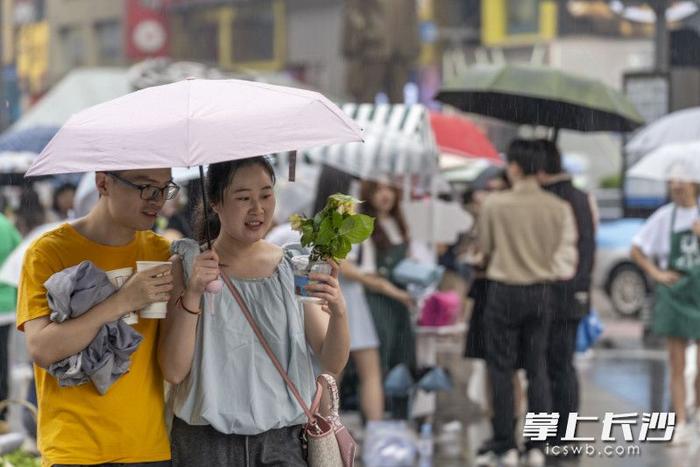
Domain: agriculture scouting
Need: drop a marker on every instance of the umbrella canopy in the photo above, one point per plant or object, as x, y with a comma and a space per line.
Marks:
673, 161
15, 162
80, 89
32, 140
194, 122
457, 135
383, 152
468, 173
398, 141
543, 96
677, 127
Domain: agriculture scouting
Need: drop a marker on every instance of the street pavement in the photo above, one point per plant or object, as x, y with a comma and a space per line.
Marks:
621, 375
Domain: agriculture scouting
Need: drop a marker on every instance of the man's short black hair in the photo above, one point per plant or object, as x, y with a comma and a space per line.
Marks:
552, 157
529, 155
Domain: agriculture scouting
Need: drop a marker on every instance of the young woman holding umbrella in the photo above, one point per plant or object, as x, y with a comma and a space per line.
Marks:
667, 249
230, 405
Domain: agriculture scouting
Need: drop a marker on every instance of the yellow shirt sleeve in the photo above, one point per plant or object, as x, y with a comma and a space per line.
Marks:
31, 301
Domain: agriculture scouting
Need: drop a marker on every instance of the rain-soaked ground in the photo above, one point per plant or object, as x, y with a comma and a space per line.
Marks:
622, 376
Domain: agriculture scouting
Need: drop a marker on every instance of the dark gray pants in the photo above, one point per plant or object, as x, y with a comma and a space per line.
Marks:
562, 373
203, 446
517, 327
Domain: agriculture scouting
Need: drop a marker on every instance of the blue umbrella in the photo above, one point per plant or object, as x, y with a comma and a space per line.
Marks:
30, 140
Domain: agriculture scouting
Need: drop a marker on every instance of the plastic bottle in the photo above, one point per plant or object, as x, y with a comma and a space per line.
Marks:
425, 445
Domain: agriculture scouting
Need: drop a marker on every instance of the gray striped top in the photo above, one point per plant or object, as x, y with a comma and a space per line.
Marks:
233, 386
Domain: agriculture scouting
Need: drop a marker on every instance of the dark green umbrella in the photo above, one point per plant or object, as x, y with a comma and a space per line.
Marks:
541, 96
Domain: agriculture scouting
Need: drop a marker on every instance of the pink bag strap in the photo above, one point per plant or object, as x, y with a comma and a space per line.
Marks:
249, 317
335, 398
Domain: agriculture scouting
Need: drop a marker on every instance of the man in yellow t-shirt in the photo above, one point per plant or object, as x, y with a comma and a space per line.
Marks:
77, 425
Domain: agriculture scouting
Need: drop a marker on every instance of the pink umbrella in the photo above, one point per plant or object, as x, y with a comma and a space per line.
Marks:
194, 122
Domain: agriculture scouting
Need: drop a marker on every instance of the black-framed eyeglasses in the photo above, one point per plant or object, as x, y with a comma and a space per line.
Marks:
150, 192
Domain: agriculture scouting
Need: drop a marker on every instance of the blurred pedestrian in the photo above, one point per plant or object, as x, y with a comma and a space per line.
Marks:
364, 343
30, 212
475, 346
9, 239
172, 223
389, 303
667, 249
571, 298
62, 204
527, 237
231, 407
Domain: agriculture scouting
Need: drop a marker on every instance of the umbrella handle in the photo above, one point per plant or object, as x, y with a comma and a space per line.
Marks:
206, 206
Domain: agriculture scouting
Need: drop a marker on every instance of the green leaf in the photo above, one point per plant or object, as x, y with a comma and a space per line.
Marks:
343, 249
337, 219
318, 218
306, 240
357, 228
326, 232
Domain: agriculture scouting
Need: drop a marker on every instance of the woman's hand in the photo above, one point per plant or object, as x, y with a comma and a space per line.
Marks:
406, 299
205, 269
327, 288
696, 228
385, 287
666, 277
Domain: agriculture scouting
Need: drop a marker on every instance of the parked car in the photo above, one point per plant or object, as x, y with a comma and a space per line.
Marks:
614, 272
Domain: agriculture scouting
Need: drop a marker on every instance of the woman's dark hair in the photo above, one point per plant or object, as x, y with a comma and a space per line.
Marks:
379, 237
330, 182
219, 177
58, 192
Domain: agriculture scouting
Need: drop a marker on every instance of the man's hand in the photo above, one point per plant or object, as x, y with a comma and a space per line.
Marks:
146, 287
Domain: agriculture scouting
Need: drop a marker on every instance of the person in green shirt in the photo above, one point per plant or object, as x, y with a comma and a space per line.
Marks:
9, 239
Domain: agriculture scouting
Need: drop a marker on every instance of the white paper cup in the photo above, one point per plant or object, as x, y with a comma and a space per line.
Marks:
156, 310
118, 277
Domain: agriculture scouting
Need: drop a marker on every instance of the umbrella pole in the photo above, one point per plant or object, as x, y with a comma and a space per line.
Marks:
555, 135
205, 206
292, 166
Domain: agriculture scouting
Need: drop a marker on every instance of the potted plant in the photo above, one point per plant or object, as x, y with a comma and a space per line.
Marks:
330, 234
